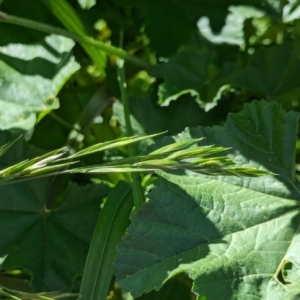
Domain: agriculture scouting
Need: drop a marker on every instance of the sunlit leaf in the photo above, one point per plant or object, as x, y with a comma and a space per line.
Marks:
31, 76
233, 236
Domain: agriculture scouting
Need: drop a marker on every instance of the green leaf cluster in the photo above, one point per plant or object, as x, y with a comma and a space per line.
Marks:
149, 149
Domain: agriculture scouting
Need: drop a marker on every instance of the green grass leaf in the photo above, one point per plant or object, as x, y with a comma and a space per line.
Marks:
110, 228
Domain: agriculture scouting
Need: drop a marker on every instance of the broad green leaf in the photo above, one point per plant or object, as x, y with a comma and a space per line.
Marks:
274, 73
15, 116
31, 76
52, 243
232, 236
227, 238
86, 4
192, 72
232, 32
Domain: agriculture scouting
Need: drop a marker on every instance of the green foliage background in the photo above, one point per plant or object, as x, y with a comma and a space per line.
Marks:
228, 71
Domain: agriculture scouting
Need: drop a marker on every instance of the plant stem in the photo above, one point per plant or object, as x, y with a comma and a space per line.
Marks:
138, 194
124, 95
67, 15
61, 120
82, 39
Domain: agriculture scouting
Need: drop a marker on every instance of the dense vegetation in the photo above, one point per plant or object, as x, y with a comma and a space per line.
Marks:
206, 206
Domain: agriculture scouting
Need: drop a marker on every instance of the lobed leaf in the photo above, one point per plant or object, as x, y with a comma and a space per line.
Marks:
234, 236
36, 237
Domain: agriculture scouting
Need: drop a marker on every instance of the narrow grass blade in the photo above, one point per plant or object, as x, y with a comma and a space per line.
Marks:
113, 169
37, 162
199, 151
111, 226
7, 146
111, 144
176, 146
14, 168
47, 169
18, 295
